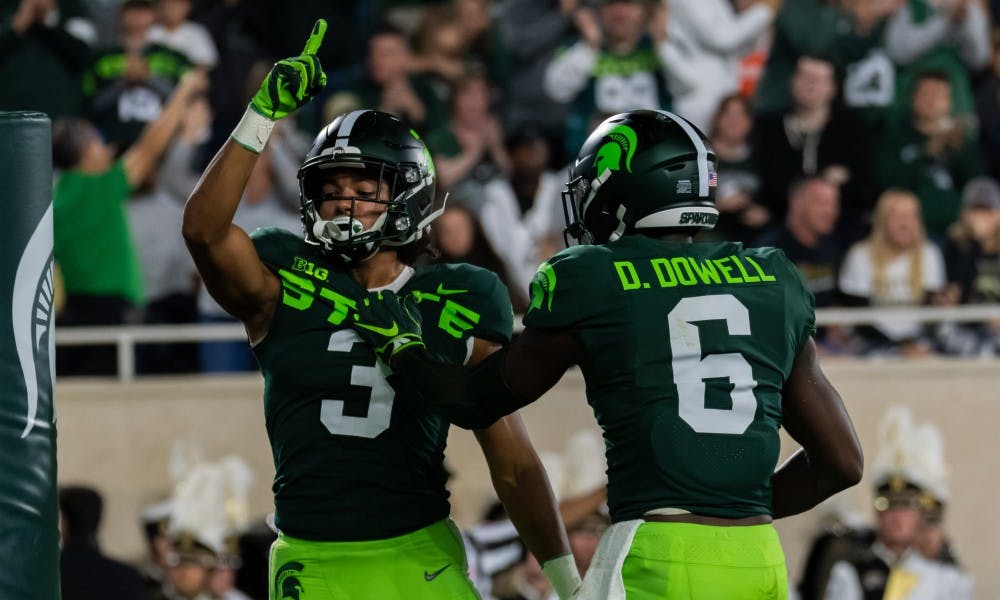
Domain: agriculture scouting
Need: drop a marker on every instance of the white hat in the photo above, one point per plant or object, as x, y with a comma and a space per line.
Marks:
211, 502
910, 456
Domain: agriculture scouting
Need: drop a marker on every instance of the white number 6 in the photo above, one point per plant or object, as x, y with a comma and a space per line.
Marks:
691, 370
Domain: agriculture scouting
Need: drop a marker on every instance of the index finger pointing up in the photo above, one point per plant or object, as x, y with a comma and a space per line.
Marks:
316, 37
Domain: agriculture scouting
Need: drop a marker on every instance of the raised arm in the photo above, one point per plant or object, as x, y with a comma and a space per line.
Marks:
143, 156
224, 254
830, 459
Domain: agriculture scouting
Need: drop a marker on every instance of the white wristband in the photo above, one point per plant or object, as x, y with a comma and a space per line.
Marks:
562, 574
252, 131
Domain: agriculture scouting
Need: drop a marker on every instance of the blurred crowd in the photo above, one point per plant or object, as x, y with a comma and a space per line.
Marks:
859, 136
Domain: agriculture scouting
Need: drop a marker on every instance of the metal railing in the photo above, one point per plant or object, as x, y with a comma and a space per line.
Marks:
126, 337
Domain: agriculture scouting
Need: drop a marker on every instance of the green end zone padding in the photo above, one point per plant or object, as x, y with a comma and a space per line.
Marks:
29, 536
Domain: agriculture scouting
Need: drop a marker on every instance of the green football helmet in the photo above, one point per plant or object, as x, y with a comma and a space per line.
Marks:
644, 169
380, 146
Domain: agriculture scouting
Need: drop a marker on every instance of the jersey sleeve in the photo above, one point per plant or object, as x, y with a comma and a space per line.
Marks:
800, 305
273, 245
488, 297
565, 291
459, 303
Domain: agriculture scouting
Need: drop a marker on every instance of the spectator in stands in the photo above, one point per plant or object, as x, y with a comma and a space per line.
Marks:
175, 31
895, 266
909, 478
209, 510
814, 137
168, 273
845, 31
469, 151
389, 86
44, 47
128, 84
85, 572
988, 113
93, 246
440, 51
972, 256
154, 520
949, 36
619, 64
481, 39
741, 218
931, 153
807, 236
522, 216
458, 237
713, 37
532, 31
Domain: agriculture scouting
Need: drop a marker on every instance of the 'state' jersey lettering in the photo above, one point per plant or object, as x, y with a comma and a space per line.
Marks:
357, 454
687, 349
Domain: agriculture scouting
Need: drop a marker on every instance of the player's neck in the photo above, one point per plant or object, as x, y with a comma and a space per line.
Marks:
379, 270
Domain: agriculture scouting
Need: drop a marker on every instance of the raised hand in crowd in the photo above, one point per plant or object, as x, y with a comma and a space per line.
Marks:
29, 13
399, 98
868, 13
659, 19
589, 26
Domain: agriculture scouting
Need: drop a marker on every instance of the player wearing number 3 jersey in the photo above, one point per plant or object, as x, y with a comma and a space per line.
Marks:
360, 496
694, 355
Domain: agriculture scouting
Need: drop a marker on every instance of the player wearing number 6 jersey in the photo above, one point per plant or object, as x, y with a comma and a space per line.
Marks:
359, 489
694, 355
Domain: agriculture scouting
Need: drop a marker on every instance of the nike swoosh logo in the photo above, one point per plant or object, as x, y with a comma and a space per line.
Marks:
433, 576
446, 292
390, 332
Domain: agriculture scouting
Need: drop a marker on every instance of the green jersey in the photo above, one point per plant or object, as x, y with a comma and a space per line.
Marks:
687, 347
357, 453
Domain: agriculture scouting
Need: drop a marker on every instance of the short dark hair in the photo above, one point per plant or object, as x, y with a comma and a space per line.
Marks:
803, 181
933, 75
389, 29
69, 136
81, 508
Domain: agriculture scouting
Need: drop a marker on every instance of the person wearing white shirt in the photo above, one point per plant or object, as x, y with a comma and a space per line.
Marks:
895, 266
712, 37
522, 217
175, 31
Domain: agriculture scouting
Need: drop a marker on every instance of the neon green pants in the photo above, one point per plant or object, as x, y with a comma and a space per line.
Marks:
426, 564
681, 560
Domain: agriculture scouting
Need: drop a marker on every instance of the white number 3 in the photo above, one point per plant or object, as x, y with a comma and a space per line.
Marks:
691, 370
331, 413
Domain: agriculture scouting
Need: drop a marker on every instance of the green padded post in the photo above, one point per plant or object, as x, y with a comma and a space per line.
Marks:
29, 511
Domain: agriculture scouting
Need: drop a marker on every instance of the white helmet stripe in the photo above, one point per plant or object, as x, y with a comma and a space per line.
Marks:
344, 135
699, 146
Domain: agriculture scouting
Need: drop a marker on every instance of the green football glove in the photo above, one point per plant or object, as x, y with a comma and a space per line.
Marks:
294, 81
388, 323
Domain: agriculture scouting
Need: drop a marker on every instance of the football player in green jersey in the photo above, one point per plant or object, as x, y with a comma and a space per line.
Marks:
694, 355
360, 496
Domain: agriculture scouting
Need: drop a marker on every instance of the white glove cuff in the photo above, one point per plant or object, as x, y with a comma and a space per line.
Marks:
252, 131
562, 574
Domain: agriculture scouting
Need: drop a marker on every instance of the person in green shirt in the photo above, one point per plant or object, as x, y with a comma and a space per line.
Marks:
93, 246
694, 354
359, 488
